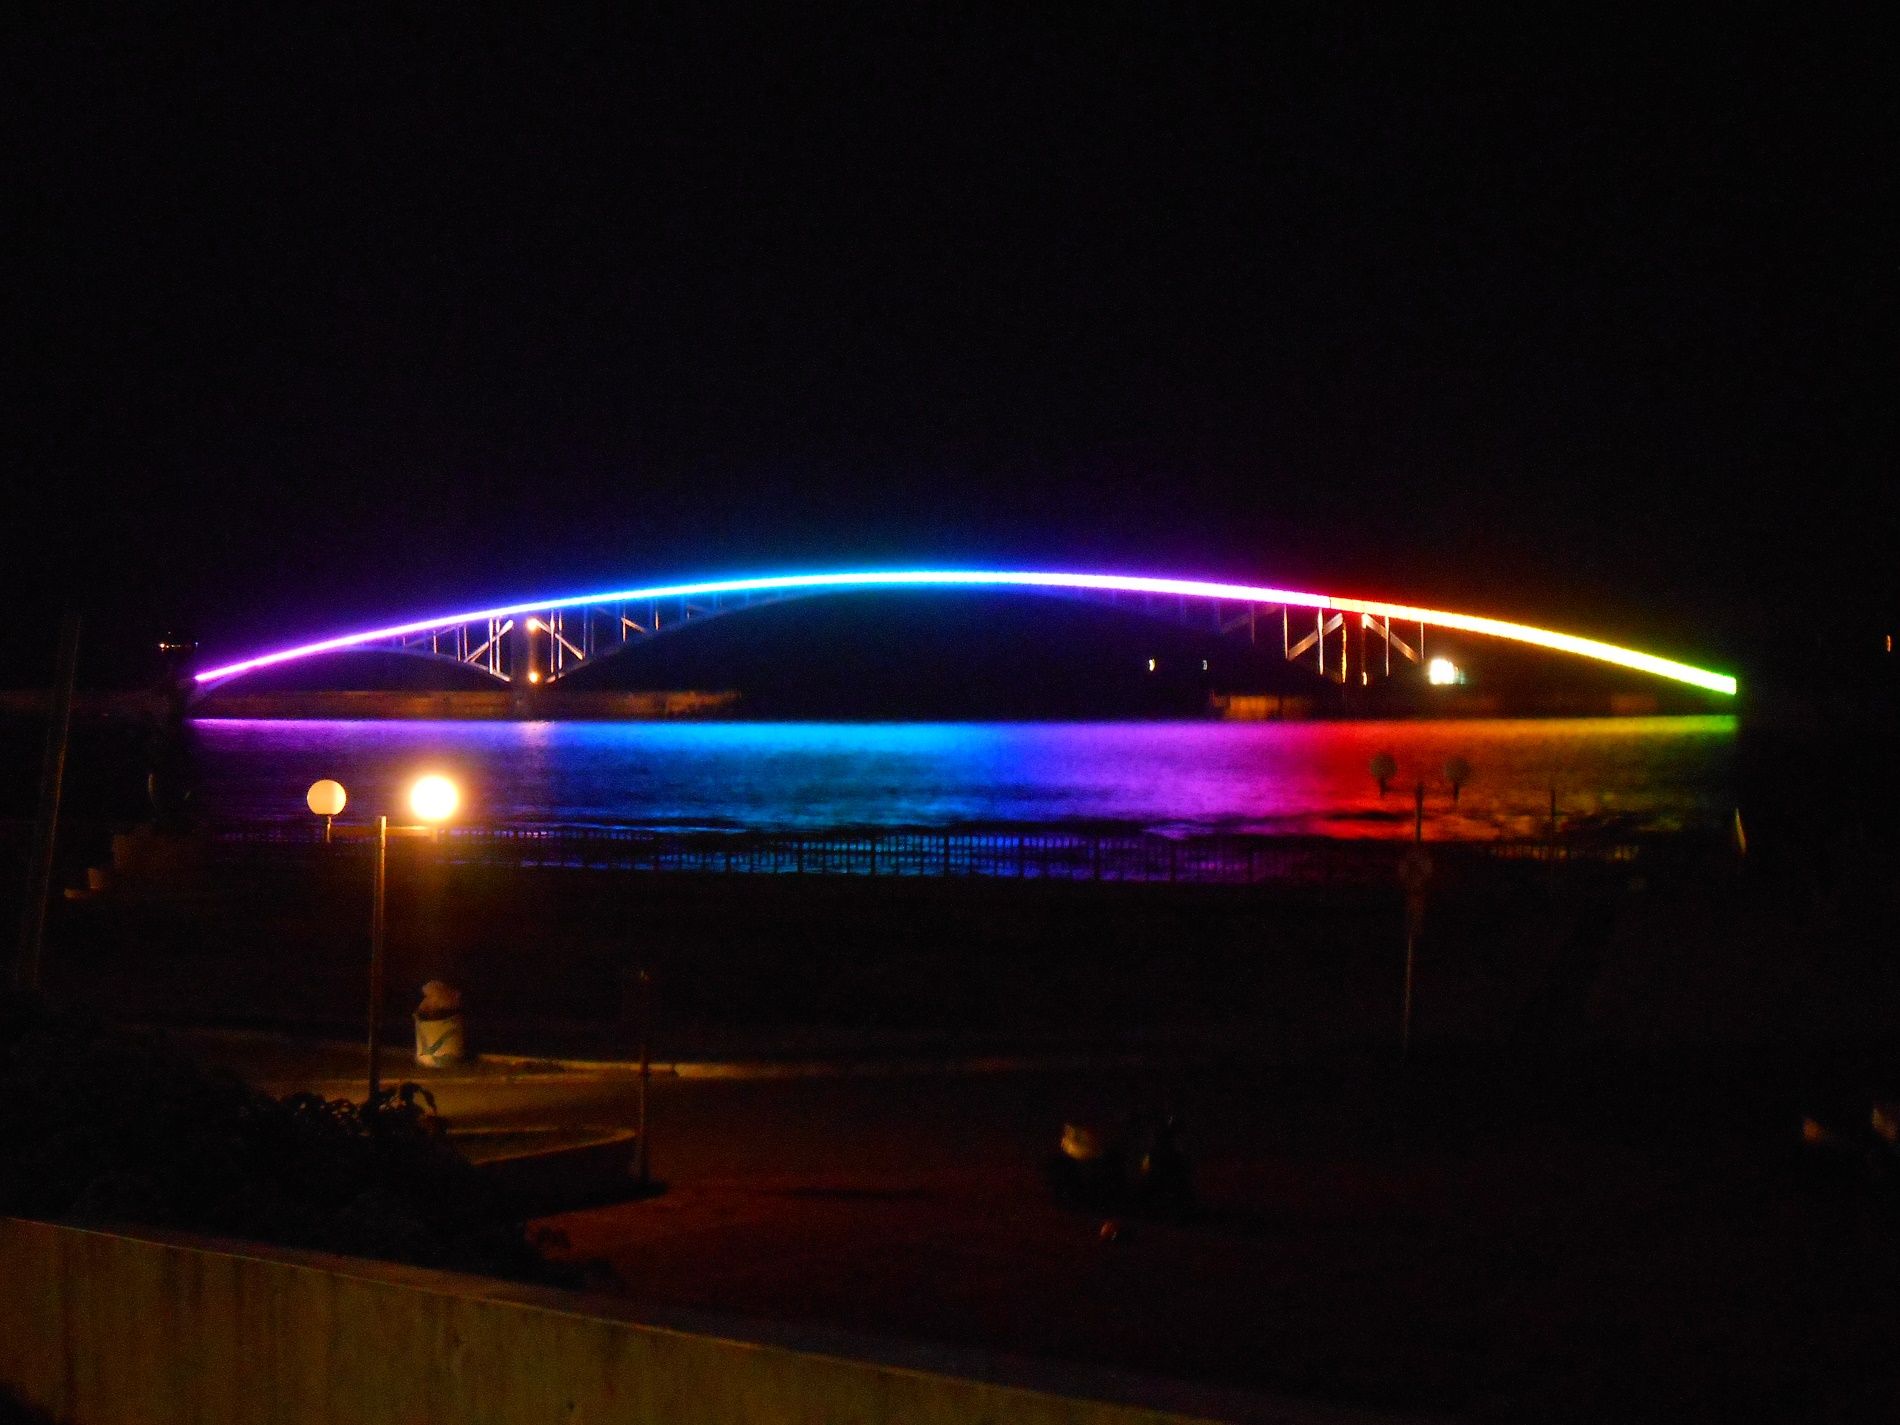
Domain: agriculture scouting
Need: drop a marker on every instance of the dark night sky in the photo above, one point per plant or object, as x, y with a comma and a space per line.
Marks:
1582, 314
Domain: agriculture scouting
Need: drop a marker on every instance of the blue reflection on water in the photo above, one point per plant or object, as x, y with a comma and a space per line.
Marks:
1293, 777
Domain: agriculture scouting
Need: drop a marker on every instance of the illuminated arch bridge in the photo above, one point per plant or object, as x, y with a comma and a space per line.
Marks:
1356, 640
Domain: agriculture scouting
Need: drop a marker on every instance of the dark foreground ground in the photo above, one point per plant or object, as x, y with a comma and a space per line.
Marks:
1601, 1236
1596, 1243
1583, 1199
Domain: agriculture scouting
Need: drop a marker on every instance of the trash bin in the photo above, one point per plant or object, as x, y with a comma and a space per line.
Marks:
441, 1041
441, 1031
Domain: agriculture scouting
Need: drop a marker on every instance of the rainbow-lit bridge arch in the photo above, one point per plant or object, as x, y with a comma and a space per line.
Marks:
541, 640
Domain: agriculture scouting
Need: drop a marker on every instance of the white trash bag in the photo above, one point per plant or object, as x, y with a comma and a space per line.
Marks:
441, 1033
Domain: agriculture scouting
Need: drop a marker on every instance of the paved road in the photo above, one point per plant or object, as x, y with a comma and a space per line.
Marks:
862, 1128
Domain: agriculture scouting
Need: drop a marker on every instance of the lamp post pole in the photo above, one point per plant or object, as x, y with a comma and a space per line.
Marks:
26, 971
1414, 913
433, 798
1405, 1022
1415, 872
644, 1160
377, 898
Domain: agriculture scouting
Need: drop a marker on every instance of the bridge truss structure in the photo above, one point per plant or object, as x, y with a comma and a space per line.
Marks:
1349, 641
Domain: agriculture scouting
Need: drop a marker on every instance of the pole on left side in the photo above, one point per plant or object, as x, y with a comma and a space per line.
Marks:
376, 961
26, 969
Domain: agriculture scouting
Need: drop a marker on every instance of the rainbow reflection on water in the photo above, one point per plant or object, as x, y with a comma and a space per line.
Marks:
1654, 774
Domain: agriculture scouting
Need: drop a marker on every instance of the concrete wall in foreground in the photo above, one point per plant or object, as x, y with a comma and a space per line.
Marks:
98, 1328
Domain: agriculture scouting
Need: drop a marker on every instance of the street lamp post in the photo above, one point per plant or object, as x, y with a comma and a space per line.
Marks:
643, 1160
1415, 873
326, 799
378, 897
434, 799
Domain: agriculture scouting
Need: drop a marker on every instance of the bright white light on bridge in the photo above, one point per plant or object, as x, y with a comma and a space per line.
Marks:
434, 798
1443, 673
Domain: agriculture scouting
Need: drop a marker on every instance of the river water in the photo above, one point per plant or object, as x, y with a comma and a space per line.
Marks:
1308, 778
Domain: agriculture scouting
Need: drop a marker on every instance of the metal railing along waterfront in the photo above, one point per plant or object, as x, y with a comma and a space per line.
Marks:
991, 852
1023, 854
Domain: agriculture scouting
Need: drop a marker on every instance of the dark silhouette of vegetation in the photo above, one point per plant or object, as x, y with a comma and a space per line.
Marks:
12, 1412
106, 1126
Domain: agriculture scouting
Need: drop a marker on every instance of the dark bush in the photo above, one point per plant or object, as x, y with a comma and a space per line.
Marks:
12, 1412
100, 1125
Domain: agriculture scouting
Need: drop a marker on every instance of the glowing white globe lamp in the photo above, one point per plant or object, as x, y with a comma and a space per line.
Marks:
326, 799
